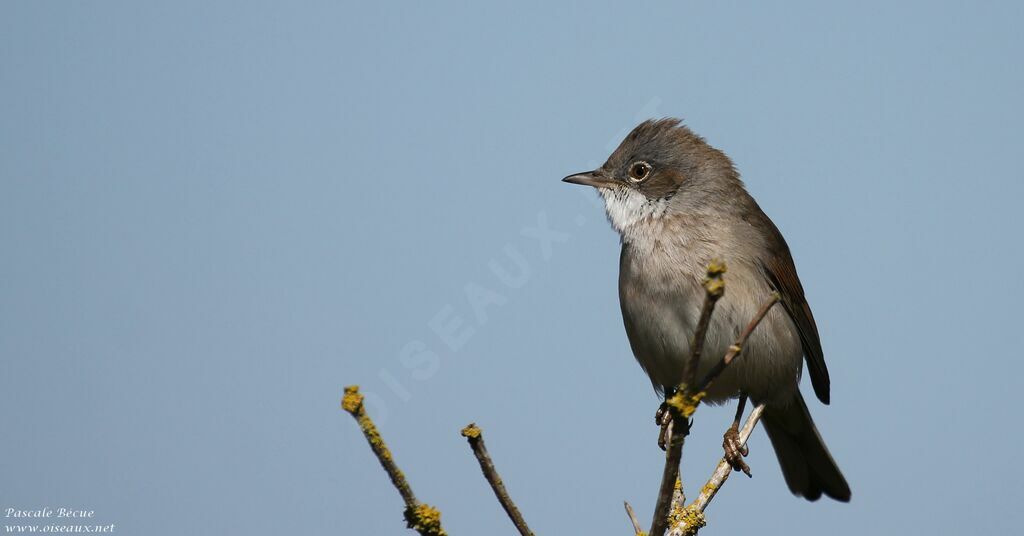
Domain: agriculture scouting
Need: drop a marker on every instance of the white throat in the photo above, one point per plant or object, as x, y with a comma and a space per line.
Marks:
627, 208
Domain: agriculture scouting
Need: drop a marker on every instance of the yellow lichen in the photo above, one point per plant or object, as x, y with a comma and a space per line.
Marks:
373, 436
352, 400
471, 431
689, 517
715, 287
714, 284
709, 489
425, 519
685, 403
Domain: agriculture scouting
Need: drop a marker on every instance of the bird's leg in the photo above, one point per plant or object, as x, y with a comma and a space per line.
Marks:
734, 449
663, 418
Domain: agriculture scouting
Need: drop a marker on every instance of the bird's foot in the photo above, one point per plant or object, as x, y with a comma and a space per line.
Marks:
734, 450
663, 418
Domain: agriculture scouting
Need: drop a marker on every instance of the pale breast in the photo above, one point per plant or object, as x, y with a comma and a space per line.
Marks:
661, 293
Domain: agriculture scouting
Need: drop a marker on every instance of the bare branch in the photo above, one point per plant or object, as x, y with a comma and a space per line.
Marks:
691, 518
476, 441
686, 520
421, 517
714, 288
684, 402
637, 531
669, 477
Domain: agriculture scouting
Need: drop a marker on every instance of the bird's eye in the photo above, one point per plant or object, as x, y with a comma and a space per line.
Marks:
639, 171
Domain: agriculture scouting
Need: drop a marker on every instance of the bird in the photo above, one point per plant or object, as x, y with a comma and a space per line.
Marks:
678, 204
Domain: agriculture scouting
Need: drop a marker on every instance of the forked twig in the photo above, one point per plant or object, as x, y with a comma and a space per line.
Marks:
421, 517
476, 441
691, 518
688, 520
683, 403
671, 514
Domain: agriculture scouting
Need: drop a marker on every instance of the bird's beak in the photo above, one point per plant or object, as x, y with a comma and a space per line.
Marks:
590, 178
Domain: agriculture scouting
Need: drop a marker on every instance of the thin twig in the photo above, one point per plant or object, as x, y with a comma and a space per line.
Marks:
685, 401
714, 288
669, 477
637, 531
687, 521
737, 347
476, 441
722, 471
421, 517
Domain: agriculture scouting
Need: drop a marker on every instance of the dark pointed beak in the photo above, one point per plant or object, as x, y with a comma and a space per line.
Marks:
590, 178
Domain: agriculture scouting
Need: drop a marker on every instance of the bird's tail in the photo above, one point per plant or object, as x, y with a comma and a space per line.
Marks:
806, 463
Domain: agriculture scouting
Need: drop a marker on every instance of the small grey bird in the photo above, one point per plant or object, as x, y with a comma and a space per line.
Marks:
678, 203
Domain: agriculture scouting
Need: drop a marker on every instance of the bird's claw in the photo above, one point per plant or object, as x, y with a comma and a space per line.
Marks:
663, 418
735, 450
661, 414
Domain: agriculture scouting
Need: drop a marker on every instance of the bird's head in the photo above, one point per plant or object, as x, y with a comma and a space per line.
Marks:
661, 167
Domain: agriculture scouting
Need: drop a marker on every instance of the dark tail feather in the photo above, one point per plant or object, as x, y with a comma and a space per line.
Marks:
808, 467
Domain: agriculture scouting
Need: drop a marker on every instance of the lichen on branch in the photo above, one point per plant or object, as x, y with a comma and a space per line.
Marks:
420, 517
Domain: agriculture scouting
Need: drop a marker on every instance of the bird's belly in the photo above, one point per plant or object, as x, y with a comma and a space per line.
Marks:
660, 323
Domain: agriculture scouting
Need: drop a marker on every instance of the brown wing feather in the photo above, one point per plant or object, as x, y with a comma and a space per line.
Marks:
779, 268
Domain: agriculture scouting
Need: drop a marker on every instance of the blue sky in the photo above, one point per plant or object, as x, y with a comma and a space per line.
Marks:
214, 215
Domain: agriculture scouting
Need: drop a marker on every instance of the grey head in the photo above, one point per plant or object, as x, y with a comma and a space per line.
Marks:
662, 166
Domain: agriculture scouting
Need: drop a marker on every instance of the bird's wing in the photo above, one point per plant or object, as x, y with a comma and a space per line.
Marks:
778, 267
